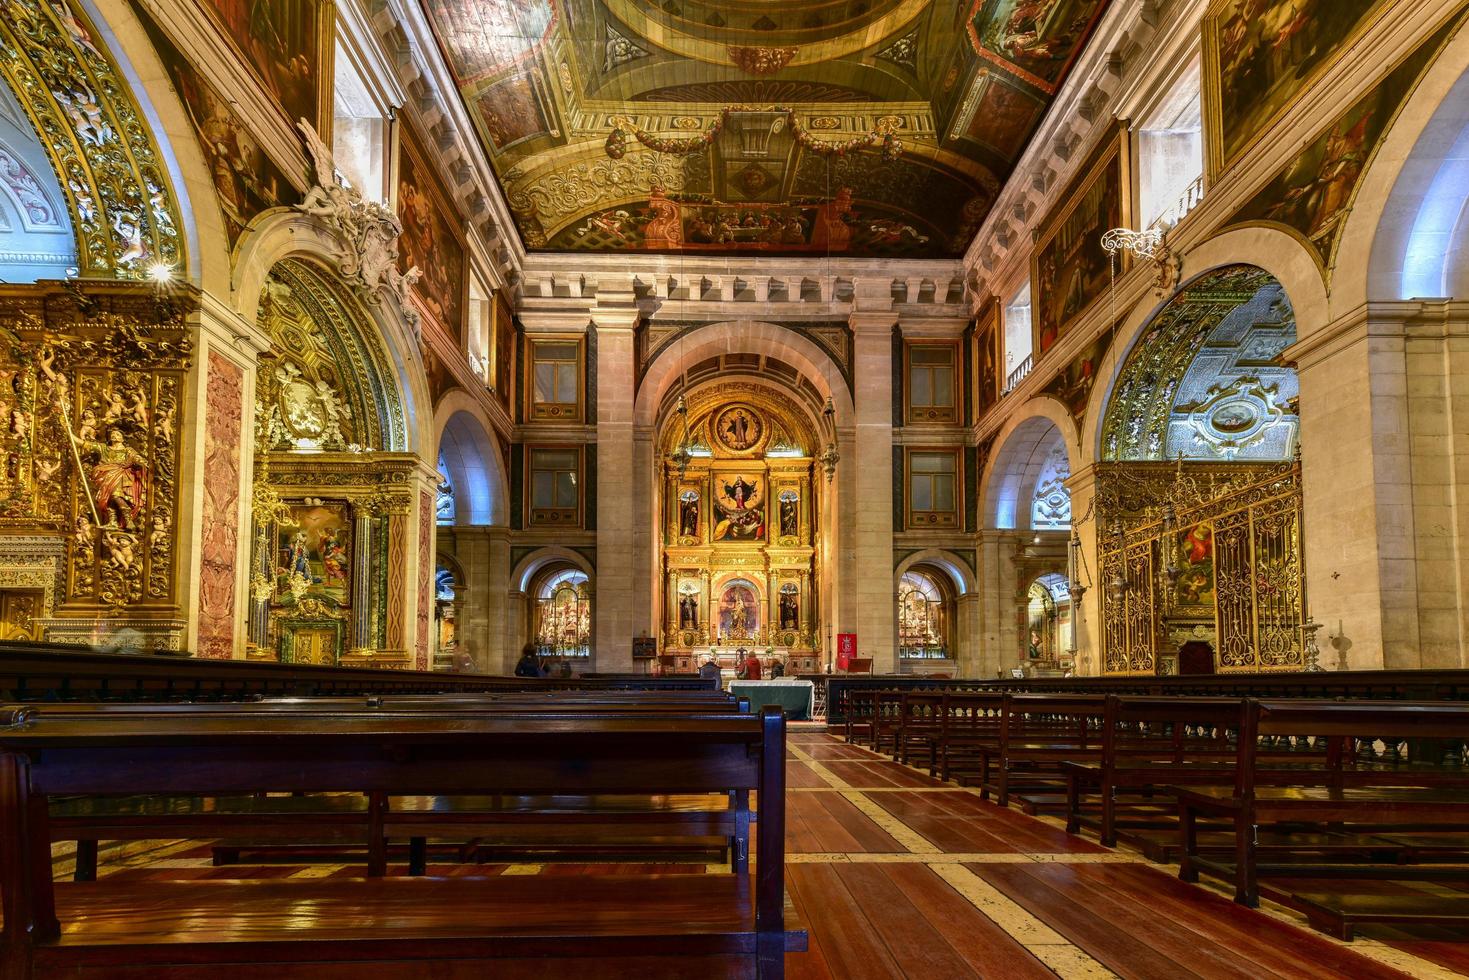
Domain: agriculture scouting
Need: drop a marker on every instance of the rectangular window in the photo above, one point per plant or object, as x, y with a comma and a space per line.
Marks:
481, 313
933, 490
359, 128
1170, 154
555, 487
931, 383
1019, 341
555, 380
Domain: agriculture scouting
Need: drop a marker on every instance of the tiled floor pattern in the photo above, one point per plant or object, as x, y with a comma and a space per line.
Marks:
897, 875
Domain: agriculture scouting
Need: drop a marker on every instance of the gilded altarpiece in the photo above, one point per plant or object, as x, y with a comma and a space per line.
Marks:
1207, 552
739, 521
91, 389
332, 502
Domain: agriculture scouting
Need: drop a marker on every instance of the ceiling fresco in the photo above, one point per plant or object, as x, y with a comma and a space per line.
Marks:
830, 127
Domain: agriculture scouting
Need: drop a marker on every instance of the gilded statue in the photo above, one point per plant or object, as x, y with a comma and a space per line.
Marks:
119, 478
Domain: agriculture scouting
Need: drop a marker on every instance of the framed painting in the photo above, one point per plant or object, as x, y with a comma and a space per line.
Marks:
314, 551
503, 342
432, 239
246, 180
1069, 268
1037, 40
1194, 591
987, 359
739, 507
291, 44
1260, 55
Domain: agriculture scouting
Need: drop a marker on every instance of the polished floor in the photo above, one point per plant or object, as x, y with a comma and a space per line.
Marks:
897, 875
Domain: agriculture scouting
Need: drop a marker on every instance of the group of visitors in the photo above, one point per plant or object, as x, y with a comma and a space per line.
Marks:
529, 665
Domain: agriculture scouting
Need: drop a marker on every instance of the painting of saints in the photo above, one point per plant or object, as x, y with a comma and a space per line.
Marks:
430, 241
333, 557
281, 39
1266, 52
1036, 38
315, 548
741, 504
1196, 559
119, 477
790, 520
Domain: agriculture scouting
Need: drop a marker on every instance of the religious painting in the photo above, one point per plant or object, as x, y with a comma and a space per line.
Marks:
432, 240
790, 514
688, 606
285, 42
987, 359
504, 327
1313, 194
739, 612
688, 514
1195, 559
1073, 383
739, 505
738, 428
440, 379
246, 181
1036, 39
790, 606
1069, 269
1000, 115
512, 110
1259, 55
313, 551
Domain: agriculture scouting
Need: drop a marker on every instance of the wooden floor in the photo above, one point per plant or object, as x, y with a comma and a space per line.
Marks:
899, 876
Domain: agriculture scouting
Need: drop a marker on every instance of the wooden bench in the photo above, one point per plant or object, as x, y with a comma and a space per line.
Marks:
275, 825
388, 927
1037, 733
1361, 793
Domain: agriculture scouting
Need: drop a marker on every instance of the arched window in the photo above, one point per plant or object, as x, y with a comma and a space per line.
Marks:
923, 618
444, 504
564, 616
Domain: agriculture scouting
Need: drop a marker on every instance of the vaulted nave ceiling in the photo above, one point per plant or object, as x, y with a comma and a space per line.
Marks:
844, 127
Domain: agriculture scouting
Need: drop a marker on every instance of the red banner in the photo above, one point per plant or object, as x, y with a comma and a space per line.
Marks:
846, 650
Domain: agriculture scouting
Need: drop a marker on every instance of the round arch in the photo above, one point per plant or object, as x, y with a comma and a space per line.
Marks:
279, 235
529, 567
1406, 228
470, 451
1280, 254
958, 571
1024, 442
741, 337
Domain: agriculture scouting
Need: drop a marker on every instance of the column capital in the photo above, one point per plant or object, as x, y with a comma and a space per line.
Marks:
872, 322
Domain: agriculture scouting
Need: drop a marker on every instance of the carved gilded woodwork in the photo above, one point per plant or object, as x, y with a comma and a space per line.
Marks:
118, 194
1241, 587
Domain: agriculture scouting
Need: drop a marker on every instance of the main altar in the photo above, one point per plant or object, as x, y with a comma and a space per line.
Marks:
739, 512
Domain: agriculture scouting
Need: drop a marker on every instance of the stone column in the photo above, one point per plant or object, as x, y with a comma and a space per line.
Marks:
871, 470
360, 642
1385, 457
968, 649
1086, 617
622, 489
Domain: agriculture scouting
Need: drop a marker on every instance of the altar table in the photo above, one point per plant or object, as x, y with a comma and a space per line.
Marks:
791, 694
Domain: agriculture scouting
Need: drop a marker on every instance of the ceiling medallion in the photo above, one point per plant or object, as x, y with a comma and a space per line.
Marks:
761, 60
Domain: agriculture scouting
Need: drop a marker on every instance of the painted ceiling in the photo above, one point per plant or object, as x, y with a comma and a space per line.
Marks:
843, 127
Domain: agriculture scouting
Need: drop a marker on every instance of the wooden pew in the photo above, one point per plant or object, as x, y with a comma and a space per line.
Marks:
1037, 733
388, 927
1362, 792
275, 825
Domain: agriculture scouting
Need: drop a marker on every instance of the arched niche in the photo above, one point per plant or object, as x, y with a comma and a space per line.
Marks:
927, 617
1202, 381
1405, 234
561, 610
124, 212
469, 457
1026, 484
330, 386
37, 240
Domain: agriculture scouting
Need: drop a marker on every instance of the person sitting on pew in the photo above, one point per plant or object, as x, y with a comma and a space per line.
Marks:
527, 665
709, 669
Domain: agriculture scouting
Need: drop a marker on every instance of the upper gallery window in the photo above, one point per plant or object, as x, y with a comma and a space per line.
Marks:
1170, 154
933, 495
1019, 341
555, 497
359, 129
555, 379
481, 317
931, 383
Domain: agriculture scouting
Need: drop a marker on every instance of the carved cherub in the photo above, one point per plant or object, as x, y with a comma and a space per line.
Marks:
87, 430
158, 537
116, 406
120, 554
46, 469
20, 424
138, 407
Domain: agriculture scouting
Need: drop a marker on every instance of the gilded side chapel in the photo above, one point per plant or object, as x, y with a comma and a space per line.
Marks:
861, 349
1094, 338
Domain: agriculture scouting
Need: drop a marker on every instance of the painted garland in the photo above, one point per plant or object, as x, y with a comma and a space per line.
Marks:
623, 129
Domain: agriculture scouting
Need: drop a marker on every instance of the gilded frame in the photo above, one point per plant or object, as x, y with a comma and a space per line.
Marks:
1216, 162
1114, 150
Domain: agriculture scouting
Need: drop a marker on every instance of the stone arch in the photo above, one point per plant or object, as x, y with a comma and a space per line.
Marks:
1024, 442
1407, 227
283, 235
961, 577
470, 451
119, 186
529, 568
741, 337
1203, 381
1276, 252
